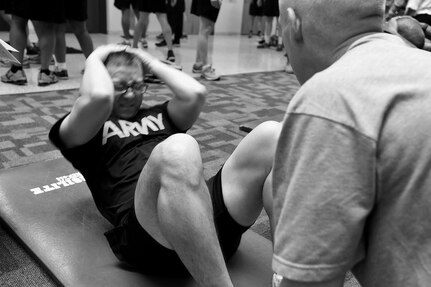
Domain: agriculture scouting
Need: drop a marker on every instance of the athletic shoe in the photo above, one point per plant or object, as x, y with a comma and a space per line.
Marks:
263, 45
161, 43
61, 74
261, 41
183, 36
144, 43
125, 43
209, 74
45, 80
176, 43
197, 68
171, 56
160, 36
17, 78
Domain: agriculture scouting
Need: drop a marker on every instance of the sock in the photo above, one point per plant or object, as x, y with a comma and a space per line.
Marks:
14, 68
267, 37
45, 71
62, 66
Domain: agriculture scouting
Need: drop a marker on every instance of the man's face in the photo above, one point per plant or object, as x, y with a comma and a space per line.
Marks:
129, 89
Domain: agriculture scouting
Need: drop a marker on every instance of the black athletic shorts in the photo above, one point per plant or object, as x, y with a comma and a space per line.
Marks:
255, 10
135, 247
152, 6
125, 4
203, 8
270, 8
2, 4
51, 11
76, 10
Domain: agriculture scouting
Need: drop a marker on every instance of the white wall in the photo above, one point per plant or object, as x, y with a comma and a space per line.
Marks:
229, 20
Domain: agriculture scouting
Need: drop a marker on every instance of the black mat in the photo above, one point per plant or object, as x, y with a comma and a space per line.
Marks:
49, 207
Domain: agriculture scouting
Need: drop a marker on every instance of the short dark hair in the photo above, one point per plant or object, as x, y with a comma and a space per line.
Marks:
123, 58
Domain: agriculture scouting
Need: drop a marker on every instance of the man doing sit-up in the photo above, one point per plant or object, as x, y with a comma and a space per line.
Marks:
146, 175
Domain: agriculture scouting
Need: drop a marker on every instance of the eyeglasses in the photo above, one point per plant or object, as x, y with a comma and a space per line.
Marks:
121, 88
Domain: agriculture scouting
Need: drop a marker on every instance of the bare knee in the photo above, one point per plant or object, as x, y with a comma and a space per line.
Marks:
178, 157
268, 133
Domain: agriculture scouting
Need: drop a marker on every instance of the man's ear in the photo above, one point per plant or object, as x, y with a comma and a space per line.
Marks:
294, 25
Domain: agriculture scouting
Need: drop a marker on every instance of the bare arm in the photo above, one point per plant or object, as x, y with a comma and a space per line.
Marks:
189, 94
95, 103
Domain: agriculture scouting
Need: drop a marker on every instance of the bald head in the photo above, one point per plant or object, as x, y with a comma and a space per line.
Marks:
321, 28
338, 19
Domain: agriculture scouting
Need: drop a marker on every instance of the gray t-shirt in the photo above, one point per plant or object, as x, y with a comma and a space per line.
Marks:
352, 175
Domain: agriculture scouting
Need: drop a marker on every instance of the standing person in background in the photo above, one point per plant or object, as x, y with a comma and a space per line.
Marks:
175, 14
207, 11
124, 6
352, 170
76, 15
158, 7
270, 12
255, 12
45, 15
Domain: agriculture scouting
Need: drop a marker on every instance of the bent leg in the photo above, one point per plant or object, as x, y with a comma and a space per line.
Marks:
173, 205
246, 179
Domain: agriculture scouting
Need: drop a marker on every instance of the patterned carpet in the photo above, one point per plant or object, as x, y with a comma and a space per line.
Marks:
26, 119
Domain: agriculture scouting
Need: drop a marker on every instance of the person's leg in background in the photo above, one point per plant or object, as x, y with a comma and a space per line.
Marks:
46, 32
160, 8
18, 35
167, 33
206, 27
60, 52
268, 20
175, 20
141, 26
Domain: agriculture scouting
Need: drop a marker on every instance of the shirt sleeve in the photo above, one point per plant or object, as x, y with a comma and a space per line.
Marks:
82, 156
324, 189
